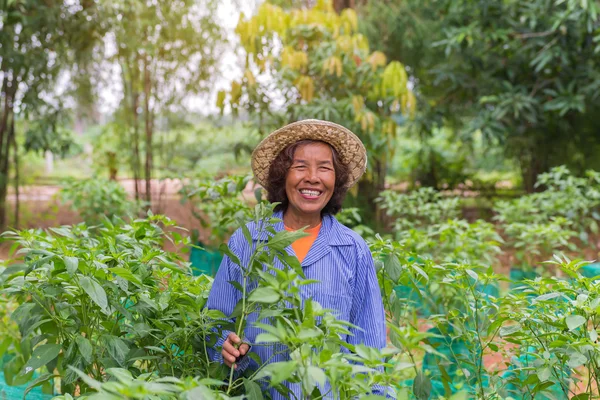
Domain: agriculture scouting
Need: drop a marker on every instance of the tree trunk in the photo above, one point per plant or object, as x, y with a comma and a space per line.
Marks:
136, 145
132, 116
112, 165
5, 141
17, 178
533, 161
135, 103
4, 169
149, 127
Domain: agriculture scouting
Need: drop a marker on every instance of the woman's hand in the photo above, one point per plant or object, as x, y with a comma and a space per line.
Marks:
233, 348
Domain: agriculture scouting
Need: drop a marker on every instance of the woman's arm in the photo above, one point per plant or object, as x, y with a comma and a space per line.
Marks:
367, 311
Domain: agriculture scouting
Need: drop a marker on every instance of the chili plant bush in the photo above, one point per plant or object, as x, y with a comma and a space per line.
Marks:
106, 299
97, 198
554, 322
219, 205
574, 199
111, 314
419, 209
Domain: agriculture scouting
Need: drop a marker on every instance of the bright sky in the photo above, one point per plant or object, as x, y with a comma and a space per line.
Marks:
230, 65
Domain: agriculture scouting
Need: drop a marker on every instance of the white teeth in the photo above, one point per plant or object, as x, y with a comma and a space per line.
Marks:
310, 192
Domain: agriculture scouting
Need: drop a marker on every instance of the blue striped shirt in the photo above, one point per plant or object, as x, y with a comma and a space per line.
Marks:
342, 263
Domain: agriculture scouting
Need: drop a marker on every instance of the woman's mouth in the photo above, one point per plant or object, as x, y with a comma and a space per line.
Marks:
310, 193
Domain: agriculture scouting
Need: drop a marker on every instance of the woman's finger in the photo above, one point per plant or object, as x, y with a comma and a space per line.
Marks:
234, 338
228, 347
243, 348
228, 358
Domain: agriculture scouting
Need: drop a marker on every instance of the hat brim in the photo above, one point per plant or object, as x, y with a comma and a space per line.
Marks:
349, 147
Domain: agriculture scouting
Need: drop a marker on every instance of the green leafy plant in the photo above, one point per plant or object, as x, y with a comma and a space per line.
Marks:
554, 323
575, 199
463, 316
97, 198
419, 208
219, 205
107, 299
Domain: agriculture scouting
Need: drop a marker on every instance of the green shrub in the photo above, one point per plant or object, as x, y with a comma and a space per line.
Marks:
107, 299
97, 198
108, 302
420, 208
219, 205
576, 199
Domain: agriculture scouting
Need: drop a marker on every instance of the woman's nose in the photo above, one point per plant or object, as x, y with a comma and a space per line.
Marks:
312, 176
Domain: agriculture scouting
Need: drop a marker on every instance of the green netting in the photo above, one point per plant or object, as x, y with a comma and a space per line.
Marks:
17, 392
517, 373
206, 260
454, 350
517, 276
591, 270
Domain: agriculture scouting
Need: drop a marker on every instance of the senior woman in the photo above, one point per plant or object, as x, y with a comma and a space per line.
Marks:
307, 167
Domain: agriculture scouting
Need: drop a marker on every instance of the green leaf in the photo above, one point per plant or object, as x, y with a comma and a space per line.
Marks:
117, 348
4, 345
253, 390
41, 356
201, 392
95, 291
393, 267
85, 348
546, 296
472, 274
283, 239
422, 386
264, 295
317, 375
544, 373
121, 374
226, 251
71, 264
509, 330
279, 372
267, 338
247, 234
94, 384
576, 359
575, 321
37, 382
126, 274
581, 396
420, 272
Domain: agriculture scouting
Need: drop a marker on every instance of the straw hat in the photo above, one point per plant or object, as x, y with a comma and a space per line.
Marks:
349, 147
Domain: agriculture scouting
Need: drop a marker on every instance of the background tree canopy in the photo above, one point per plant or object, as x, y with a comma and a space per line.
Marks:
126, 128
443, 93
525, 73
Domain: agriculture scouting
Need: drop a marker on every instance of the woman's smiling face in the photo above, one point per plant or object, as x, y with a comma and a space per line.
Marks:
310, 180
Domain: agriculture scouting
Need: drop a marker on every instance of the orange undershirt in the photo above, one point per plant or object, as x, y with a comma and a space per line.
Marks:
302, 245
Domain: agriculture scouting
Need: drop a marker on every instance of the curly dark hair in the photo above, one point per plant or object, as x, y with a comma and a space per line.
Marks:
278, 173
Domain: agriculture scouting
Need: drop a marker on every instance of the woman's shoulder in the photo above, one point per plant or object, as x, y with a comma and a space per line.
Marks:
346, 235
